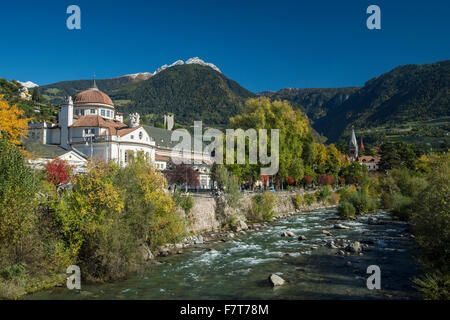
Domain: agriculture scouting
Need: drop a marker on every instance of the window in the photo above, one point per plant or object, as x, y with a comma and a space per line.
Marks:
126, 157
140, 135
102, 113
92, 111
108, 114
82, 112
131, 137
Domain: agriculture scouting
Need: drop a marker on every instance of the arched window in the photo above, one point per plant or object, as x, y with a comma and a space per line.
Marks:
140, 135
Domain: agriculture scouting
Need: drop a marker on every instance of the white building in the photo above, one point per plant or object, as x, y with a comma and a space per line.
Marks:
89, 127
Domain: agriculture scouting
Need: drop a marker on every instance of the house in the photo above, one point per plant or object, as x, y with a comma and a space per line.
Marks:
371, 162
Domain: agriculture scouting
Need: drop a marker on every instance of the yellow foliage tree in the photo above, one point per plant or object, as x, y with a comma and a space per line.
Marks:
12, 123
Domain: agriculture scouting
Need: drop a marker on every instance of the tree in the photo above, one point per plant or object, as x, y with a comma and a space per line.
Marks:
18, 188
293, 126
58, 172
183, 174
36, 96
396, 155
12, 125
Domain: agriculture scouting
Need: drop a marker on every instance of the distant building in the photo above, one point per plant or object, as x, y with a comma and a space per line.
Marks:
371, 162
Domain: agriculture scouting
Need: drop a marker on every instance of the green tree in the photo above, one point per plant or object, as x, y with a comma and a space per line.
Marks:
396, 155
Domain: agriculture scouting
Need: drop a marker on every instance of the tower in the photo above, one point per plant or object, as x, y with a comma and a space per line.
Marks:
65, 121
353, 147
169, 121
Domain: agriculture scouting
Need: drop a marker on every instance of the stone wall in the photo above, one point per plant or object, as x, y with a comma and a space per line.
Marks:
210, 214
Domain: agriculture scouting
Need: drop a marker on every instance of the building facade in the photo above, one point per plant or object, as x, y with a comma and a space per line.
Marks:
90, 127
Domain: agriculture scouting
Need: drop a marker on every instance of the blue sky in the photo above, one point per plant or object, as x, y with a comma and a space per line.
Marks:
264, 45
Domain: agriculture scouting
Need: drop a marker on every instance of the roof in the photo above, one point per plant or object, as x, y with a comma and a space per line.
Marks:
366, 159
125, 131
92, 96
162, 137
38, 149
115, 127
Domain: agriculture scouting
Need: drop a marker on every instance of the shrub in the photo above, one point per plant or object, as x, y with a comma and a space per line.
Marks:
362, 202
185, 201
309, 198
402, 206
298, 201
346, 210
434, 286
323, 194
325, 179
334, 198
262, 207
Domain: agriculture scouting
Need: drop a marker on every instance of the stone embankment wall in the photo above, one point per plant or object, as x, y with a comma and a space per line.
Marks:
210, 214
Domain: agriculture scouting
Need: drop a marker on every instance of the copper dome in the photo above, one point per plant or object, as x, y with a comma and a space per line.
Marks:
93, 96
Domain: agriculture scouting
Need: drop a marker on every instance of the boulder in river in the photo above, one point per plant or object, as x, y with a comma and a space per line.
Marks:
164, 252
276, 280
354, 247
328, 233
302, 238
372, 220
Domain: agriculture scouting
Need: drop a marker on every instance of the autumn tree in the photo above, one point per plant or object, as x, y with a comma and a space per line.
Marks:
12, 124
262, 113
182, 174
58, 172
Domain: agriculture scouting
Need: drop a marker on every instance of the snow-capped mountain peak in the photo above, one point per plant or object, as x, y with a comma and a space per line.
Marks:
28, 84
195, 60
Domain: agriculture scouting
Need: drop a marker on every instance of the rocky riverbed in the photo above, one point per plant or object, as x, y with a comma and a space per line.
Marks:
315, 254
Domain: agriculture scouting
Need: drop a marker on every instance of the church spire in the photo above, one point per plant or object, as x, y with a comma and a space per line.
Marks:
353, 146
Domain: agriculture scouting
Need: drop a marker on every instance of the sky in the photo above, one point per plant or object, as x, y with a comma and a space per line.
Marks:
263, 45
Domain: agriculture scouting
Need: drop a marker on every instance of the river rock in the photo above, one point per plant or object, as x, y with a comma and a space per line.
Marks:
348, 263
328, 233
340, 226
145, 253
302, 238
276, 280
242, 225
164, 252
330, 244
230, 235
372, 221
198, 240
354, 247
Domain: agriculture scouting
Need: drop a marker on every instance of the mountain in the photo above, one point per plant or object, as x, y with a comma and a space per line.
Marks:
191, 91
316, 103
405, 94
56, 92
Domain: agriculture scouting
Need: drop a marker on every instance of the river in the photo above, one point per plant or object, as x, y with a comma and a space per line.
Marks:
239, 268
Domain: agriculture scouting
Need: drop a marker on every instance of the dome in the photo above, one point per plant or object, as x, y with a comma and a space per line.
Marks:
92, 96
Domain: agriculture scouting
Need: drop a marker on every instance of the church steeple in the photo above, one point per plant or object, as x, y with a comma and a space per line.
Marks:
353, 146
